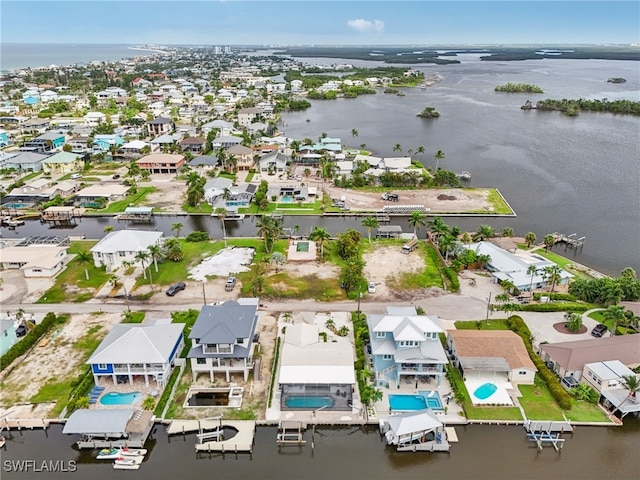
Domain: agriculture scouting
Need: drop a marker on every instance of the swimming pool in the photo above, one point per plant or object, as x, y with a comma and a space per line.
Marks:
485, 390
286, 199
302, 247
309, 403
15, 205
424, 399
115, 398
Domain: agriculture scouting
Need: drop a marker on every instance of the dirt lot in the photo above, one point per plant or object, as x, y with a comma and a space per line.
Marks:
170, 193
55, 360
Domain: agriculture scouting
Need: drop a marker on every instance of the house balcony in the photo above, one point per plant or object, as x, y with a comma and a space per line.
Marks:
438, 370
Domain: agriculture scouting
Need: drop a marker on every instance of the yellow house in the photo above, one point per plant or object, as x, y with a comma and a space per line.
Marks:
62, 163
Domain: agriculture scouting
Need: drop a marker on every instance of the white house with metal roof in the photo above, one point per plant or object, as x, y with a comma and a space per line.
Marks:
222, 339
122, 246
405, 344
505, 265
130, 350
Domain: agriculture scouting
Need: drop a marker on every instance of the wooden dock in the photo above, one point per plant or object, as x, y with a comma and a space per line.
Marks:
210, 435
291, 433
571, 240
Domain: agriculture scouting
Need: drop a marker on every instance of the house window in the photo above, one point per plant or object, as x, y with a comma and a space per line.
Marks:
387, 357
522, 372
408, 343
381, 334
201, 361
102, 366
239, 340
37, 270
122, 254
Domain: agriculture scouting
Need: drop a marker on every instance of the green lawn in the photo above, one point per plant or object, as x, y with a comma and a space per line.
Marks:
74, 276
494, 324
498, 203
249, 177
429, 277
203, 207
563, 262
538, 404
129, 201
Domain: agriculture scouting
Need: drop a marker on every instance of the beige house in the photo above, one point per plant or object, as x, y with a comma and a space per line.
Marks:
495, 352
243, 155
62, 163
35, 261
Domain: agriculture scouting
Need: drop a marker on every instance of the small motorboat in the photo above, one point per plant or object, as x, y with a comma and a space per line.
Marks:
133, 452
108, 454
126, 461
3, 441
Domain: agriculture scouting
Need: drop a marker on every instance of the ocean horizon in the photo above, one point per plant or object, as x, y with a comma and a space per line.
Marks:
15, 56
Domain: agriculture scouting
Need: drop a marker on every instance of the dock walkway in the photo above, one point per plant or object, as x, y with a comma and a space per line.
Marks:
242, 441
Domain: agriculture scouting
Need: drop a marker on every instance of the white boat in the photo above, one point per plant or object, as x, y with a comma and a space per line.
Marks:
2, 441
133, 452
108, 454
464, 175
128, 461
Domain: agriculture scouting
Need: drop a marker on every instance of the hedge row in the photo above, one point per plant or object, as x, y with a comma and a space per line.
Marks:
560, 394
167, 391
274, 369
31, 338
80, 389
452, 277
577, 307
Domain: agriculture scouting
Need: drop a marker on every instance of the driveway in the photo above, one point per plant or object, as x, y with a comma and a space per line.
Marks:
541, 326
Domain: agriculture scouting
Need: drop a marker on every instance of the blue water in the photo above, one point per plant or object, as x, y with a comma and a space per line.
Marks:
15, 205
286, 199
485, 390
115, 398
309, 402
416, 402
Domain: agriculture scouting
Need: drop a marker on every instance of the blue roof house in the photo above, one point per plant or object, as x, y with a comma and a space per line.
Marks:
131, 350
104, 142
405, 344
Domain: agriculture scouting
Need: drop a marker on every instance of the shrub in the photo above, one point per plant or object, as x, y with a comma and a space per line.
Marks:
555, 296
165, 394
274, 368
197, 236
558, 307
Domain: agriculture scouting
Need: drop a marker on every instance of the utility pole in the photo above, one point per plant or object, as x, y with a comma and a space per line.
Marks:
488, 306
359, 297
204, 295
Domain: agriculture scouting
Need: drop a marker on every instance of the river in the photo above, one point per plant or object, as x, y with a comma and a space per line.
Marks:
560, 174
483, 452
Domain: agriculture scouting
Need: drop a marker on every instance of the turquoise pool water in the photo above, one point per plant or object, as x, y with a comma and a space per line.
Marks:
15, 205
312, 402
485, 390
427, 398
286, 199
115, 398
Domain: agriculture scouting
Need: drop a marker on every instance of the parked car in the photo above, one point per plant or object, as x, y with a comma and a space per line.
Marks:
371, 288
175, 288
599, 330
231, 282
75, 176
24, 328
116, 176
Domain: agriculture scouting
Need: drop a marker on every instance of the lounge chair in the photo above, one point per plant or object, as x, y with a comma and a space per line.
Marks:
98, 388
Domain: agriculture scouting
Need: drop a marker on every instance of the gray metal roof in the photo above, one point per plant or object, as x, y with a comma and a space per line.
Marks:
390, 228
131, 343
109, 423
224, 323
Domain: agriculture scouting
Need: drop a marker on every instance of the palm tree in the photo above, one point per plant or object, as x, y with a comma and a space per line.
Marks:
354, 132
632, 384
319, 235
173, 249
531, 270
507, 232
552, 274
221, 213
438, 156
397, 148
484, 232
370, 222
530, 239
142, 257
549, 241
437, 226
416, 221
177, 228
420, 150
507, 285
84, 258
155, 252
614, 313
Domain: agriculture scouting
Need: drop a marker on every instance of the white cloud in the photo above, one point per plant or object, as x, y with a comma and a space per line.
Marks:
366, 26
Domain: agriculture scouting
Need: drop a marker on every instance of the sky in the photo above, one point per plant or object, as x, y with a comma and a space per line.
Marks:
325, 22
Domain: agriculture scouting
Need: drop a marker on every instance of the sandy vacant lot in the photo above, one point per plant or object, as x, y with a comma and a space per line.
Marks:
55, 360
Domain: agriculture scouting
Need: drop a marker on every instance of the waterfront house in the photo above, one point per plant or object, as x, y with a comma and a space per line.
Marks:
491, 353
193, 144
101, 193
226, 141
247, 116
415, 431
405, 344
505, 265
62, 163
606, 375
312, 368
163, 143
204, 162
123, 245
272, 163
222, 339
130, 350
35, 125
35, 261
161, 163
133, 148
567, 359
26, 161
159, 126
105, 142
8, 335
